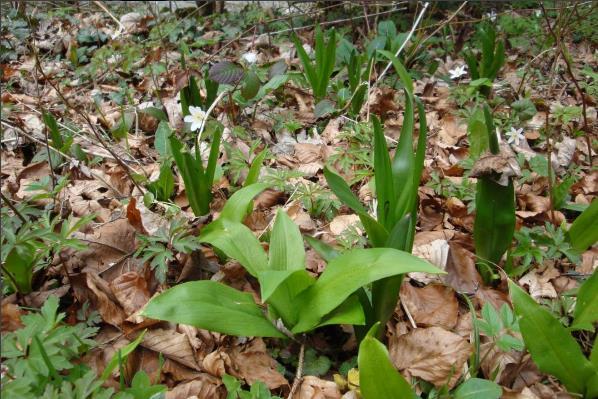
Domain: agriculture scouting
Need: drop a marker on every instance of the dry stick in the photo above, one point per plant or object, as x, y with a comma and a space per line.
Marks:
549, 166
440, 26
89, 123
299, 372
95, 175
559, 44
12, 207
379, 78
121, 27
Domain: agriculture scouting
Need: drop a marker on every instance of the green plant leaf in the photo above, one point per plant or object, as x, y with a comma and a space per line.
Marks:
349, 272
551, 346
212, 306
476, 388
161, 142
280, 288
237, 242
254, 169
197, 188
383, 173
342, 190
378, 377
226, 72
251, 85
584, 230
323, 108
401, 71
235, 209
286, 245
326, 251
586, 307
124, 352
477, 134
19, 263
156, 113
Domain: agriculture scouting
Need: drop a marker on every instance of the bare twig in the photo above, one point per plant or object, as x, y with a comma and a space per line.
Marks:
299, 372
12, 207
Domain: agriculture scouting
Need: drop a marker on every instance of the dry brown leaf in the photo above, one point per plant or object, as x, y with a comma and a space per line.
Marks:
216, 363
315, 388
432, 305
451, 130
539, 282
134, 216
171, 344
104, 300
342, 222
462, 274
204, 387
494, 362
252, 362
433, 354
130, 289
11, 317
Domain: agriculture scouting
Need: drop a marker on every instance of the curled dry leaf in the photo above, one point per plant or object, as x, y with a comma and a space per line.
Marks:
539, 282
204, 387
216, 363
433, 354
104, 300
130, 289
342, 222
501, 166
171, 344
315, 388
462, 274
432, 305
495, 362
253, 363
11, 317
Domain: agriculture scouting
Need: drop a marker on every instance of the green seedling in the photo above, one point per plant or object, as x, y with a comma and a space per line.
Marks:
396, 190
318, 74
494, 224
295, 301
191, 96
490, 61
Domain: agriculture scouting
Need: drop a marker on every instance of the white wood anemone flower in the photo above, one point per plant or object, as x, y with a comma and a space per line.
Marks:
515, 136
250, 57
196, 117
458, 72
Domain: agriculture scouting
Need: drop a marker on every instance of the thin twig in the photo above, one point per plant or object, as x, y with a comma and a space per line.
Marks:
299, 372
12, 207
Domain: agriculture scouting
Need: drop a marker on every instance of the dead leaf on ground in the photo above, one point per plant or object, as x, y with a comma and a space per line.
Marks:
252, 362
204, 387
103, 299
315, 388
433, 354
171, 344
462, 274
131, 291
11, 317
342, 222
432, 305
539, 282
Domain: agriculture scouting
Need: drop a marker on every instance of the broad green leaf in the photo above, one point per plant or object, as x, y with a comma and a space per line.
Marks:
19, 263
377, 234
237, 242
348, 312
286, 245
124, 352
197, 189
476, 388
251, 85
156, 113
385, 191
212, 160
403, 166
586, 308
342, 190
308, 68
280, 289
349, 272
323, 108
161, 139
212, 306
492, 137
584, 230
52, 126
226, 72
551, 346
326, 251
378, 377
235, 209
477, 134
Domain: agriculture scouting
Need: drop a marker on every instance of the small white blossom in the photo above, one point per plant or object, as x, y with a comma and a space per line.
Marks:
458, 72
515, 136
491, 15
538, 13
250, 57
196, 117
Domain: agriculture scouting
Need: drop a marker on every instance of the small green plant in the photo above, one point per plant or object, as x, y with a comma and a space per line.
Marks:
494, 224
490, 61
258, 390
159, 249
296, 302
501, 327
197, 179
358, 78
190, 95
396, 192
318, 74
552, 346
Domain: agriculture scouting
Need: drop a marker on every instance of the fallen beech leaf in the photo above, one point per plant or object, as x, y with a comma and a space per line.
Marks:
253, 363
130, 289
216, 363
432, 305
204, 387
134, 216
104, 300
462, 274
314, 388
171, 344
11, 317
433, 354
539, 283
451, 131
494, 361
341, 222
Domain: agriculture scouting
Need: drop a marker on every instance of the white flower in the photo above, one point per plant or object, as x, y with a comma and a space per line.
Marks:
515, 136
250, 57
491, 15
196, 117
458, 72
538, 13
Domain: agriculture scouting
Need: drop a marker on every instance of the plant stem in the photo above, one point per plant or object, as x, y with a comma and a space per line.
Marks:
12, 207
299, 372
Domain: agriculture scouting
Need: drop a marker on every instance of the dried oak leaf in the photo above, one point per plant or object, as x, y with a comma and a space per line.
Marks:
253, 363
204, 387
433, 354
171, 344
432, 305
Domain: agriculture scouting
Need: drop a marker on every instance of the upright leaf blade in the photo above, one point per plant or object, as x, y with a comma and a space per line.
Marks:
212, 306
235, 209
584, 230
383, 173
342, 190
551, 346
286, 245
586, 307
